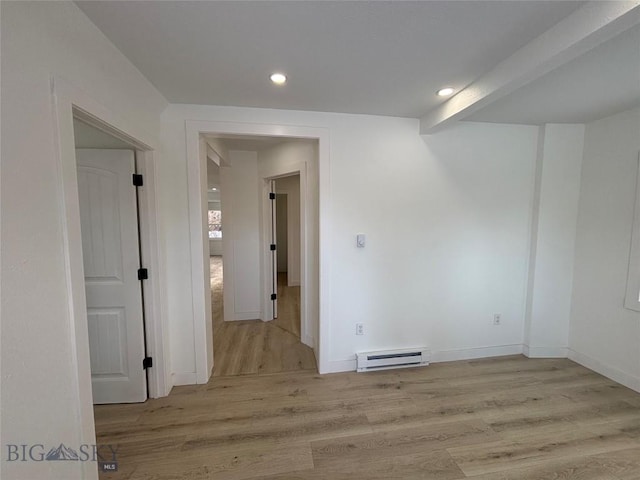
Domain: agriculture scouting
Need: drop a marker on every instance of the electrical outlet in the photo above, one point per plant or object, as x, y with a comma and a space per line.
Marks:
359, 328
497, 319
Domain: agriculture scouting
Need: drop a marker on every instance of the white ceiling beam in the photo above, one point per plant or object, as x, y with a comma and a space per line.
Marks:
218, 148
212, 155
583, 30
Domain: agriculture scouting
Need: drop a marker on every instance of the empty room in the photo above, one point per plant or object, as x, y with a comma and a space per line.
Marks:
320, 240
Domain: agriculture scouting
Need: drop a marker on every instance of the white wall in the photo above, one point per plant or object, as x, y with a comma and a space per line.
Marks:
174, 230
281, 232
38, 375
458, 228
241, 238
446, 249
553, 238
603, 334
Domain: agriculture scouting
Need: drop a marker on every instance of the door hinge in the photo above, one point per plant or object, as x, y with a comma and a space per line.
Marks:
143, 274
147, 362
137, 180
272, 196
274, 296
272, 247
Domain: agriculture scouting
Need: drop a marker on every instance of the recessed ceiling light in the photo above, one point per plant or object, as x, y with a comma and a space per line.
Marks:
444, 92
279, 78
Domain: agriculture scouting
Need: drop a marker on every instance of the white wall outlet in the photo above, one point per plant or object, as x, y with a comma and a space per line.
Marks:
497, 319
359, 328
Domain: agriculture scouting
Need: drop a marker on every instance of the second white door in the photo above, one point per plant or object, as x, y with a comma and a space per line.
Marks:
110, 248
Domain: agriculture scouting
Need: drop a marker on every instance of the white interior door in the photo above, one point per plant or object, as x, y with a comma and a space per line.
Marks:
274, 251
110, 248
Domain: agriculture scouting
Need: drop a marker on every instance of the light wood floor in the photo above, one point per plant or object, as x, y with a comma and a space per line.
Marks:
508, 418
253, 346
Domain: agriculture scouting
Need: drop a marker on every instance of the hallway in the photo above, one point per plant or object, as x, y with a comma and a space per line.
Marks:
253, 346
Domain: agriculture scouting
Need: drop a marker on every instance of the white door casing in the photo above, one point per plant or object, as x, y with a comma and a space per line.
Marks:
315, 266
111, 255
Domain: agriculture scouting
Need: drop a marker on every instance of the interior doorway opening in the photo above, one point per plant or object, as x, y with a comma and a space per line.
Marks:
201, 137
71, 103
258, 316
286, 261
108, 181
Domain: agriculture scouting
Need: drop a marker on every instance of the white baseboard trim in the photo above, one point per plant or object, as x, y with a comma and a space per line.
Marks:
628, 380
294, 284
337, 366
188, 378
308, 340
472, 353
545, 352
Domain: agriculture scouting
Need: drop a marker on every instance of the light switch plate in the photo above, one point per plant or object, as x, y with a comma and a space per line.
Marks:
360, 240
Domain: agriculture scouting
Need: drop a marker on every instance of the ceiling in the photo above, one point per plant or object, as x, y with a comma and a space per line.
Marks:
249, 143
368, 57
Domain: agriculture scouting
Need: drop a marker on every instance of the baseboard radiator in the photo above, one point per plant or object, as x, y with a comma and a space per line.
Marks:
388, 359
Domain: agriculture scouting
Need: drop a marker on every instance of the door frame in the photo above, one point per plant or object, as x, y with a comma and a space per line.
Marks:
120, 163
196, 183
300, 169
68, 102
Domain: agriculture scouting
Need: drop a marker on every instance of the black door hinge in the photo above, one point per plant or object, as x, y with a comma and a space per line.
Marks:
272, 247
143, 274
273, 296
147, 362
272, 196
137, 180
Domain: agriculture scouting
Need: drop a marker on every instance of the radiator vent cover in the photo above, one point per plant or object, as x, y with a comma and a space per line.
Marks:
388, 359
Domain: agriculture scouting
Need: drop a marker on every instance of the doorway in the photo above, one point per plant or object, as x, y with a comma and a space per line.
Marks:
287, 262
248, 334
113, 277
71, 103
315, 298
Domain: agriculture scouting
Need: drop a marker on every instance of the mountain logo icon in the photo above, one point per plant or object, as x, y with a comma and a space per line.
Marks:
62, 452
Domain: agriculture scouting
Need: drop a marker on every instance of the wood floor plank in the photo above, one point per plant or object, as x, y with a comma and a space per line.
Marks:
363, 448
581, 468
263, 431
416, 423
226, 464
433, 465
251, 346
624, 464
535, 449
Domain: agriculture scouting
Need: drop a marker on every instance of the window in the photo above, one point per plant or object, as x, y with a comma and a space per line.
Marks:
215, 224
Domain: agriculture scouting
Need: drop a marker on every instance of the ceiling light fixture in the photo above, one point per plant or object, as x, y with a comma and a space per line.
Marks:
444, 92
278, 78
